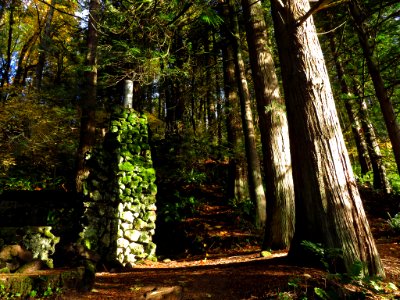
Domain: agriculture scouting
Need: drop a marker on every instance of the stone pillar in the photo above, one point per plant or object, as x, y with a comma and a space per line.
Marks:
120, 193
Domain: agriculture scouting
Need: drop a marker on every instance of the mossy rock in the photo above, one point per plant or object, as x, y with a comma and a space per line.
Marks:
38, 282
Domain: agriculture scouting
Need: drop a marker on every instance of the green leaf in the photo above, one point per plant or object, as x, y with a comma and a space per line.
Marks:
321, 293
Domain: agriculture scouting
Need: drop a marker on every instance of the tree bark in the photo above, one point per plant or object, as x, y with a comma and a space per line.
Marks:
256, 188
7, 65
359, 138
329, 210
23, 57
386, 105
88, 102
381, 181
363, 131
44, 45
237, 176
273, 130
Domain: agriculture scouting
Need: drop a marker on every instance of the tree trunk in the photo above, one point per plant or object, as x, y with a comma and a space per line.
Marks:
367, 146
7, 65
386, 105
209, 93
44, 45
356, 127
237, 177
253, 163
23, 57
274, 131
88, 102
329, 210
381, 181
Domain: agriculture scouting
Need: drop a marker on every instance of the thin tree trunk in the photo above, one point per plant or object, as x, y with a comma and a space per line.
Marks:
209, 98
380, 178
253, 163
44, 45
237, 177
7, 66
356, 127
22, 59
328, 206
274, 132
88, 103
386, 105
368, 148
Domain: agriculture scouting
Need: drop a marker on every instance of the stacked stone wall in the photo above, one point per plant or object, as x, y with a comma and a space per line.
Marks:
120, 193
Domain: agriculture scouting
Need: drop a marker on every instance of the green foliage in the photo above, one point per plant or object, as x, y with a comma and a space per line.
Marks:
179, 209
245, 208
394, 222
321, 293
38, 141
363, 179
327, 256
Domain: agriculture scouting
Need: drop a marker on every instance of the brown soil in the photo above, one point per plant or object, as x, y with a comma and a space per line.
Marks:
230, 265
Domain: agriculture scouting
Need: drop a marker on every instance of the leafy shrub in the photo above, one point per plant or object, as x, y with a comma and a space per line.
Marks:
38, 141
327, 256
244, 207
179, 209
394, 222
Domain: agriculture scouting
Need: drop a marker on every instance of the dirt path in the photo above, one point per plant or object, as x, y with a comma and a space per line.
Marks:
230, 267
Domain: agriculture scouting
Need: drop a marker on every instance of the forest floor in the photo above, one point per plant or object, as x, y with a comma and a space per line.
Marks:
230, 265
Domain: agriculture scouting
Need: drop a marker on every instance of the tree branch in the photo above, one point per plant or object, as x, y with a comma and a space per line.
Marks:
62, 11
321, 4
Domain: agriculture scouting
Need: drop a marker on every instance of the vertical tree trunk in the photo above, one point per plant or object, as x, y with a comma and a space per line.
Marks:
274, 131
328, 206
44, 45
356, 127
378, 167
386, 105
237, 177
253, 163
367, 146
23, 57
209, 95
7, 65
88, 102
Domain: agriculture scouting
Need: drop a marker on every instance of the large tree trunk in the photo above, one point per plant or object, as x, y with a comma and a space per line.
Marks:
328, 206
274, 131
386, 105
256, 188
88, 102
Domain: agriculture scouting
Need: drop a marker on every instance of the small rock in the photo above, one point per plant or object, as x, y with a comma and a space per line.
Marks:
265, 253
165, 293
34, 265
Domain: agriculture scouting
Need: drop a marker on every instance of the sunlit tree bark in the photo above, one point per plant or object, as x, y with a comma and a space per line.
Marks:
274, 131
256, 188
359, 138
329, 210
